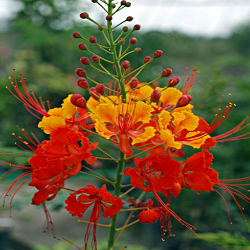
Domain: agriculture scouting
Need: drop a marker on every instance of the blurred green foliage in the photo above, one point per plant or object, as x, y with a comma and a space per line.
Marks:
39, 44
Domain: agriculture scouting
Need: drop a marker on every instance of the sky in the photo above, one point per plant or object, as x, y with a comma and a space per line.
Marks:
208, 18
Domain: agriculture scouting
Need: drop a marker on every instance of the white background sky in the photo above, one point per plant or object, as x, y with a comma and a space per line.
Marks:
195, 17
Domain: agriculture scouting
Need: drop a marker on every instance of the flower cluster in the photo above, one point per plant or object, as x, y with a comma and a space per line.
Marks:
139, 119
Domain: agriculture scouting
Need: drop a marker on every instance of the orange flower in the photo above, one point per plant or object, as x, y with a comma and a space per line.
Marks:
68, 115
123, 120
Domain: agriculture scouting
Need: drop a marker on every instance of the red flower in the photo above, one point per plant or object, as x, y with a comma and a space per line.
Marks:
161, 170
158, 173
197, 173
79, 201
57, 160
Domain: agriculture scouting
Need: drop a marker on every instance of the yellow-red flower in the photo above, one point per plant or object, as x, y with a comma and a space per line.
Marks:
124, 120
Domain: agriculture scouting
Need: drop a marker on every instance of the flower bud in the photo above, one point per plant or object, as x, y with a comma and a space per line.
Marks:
128, 4
84, 60
84, 15
167, 72
133, 40
121, 41
173, 81
76, 35
134, 83
125, 64
100, 88
80, 72
125, 29
95, 94
137, 50
92, 39
123, 2
129, 18
158, 53
113, 5
109, 17
100, 27
146, 59
114, 68
94, 1
95, 59
119, 89
82, 46
155, 96
137, 27
82, 83
184, 101
78, 101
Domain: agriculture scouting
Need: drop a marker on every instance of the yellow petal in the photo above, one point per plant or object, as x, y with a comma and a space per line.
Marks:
168, 139
195, 142
141, 93
185, 120
142, 112
145, 136
164, 119
169, 96
106, 112
48, 124
56, 112
68, 108
102, 130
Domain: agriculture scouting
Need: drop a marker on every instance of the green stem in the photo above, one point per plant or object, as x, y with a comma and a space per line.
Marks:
117, 194
114, 53
121, 161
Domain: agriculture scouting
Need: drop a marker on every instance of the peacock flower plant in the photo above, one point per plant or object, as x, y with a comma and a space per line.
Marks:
141, 121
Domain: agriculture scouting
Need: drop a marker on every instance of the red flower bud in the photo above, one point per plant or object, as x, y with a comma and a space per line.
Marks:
76, 35
114, 68
82, 46
134, 83
123, 2
133, 40
125, 28
125, 64
82, 83
100, 27
137, 50
184, 101
167, 72
92, 39
94, 93
119, 89
84, 15
158, 53
121, 41
173, 81
128, 4
146, 59
78, 101
80, 72
84, 60
109, 17
155, 96
100, 88
129, 18
95, 59
137, 27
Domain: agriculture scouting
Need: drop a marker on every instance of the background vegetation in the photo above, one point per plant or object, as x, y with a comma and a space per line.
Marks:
38, 42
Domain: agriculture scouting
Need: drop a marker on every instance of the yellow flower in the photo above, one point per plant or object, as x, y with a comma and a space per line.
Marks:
126, 121
58, 116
